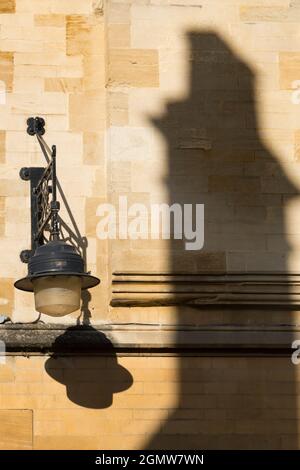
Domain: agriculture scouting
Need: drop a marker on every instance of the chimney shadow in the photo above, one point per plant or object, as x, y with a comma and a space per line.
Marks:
217, 157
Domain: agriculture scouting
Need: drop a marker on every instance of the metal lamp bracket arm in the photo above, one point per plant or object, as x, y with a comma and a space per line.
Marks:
43, 192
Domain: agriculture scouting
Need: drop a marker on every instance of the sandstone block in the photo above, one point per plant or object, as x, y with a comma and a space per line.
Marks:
16, 429
133, 67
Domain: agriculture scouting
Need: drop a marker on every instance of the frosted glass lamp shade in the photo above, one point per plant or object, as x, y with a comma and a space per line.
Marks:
56, 275
57, 295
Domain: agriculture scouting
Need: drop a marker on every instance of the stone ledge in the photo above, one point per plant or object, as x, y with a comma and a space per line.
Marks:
226, 290
56, 338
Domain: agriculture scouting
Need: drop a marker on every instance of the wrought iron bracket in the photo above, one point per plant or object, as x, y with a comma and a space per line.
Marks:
35, 126
44, 212
33, 175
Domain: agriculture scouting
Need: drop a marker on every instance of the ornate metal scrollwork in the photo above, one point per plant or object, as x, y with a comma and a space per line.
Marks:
44, 204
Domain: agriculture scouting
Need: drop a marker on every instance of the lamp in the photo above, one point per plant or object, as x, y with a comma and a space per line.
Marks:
56, 271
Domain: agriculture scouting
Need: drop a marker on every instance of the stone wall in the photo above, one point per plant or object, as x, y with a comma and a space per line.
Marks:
161, 101
124, 92
228, 403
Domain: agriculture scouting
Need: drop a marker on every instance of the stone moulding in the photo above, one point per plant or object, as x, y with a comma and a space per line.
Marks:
230, 289
148, 339
246, 291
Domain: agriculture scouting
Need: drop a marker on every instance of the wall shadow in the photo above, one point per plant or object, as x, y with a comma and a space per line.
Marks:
216, 156
84, 360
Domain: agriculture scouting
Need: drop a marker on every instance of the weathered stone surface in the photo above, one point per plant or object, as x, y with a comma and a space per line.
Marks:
6, 293
50, 20
82, 35
141, 102
119, 35
2, 146
16, 429
6, 66
93, 152
65, 85
205, 289
82, 106
62, 339
8, 6
133, 67
289, 69
263, 13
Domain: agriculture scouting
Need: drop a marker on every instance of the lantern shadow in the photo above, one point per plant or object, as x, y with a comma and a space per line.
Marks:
84, 360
